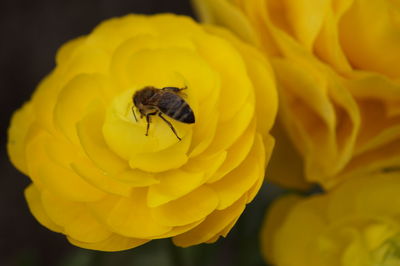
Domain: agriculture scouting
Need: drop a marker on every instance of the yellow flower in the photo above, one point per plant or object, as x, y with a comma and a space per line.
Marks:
337, 64
357, 224
99, 180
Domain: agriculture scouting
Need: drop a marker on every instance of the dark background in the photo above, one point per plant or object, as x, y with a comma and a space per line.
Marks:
31, 32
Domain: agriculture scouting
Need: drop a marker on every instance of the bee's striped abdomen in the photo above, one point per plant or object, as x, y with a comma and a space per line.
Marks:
175, 107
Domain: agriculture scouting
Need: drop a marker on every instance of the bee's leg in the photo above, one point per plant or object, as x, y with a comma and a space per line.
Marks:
148, 120
181, 89
134, 114
169, 124
173, 89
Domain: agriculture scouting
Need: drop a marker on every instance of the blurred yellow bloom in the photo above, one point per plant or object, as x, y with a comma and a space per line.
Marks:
338, 67
100, 181
356, 224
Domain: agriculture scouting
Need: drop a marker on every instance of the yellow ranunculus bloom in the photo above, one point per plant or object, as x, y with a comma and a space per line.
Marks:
356, 224
338, 68
100, 181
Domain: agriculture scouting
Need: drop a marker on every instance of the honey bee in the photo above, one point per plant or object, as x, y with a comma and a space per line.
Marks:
152, 101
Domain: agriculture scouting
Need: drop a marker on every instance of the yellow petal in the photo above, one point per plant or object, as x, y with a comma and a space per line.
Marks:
43, 100
377, 129
177, 230
113, 243
137, 178
212, 225
173, 185
63, 154
306, 19
187, 209
259, 13
379, 41
307, 85
235, 84
208, 165
262, 77
203, 134
228, 228
61, 211
385, 157
94, 176
373, 194
91, 138
121, 29
79, 92
236, 153
32, 196
327, 45
65, 52
19, 126
273, 220
302, 224
235, 127
222, 13
224, 232
76, 220
84, 59
57, 178
164, 160
86, 228
234, 185
370, 85
269, 146
132, 218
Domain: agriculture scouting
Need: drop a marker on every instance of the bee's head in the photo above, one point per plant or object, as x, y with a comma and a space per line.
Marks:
136, 99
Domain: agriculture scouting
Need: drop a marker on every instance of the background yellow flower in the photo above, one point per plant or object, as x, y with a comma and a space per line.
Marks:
100, 181
337, 63
356, 224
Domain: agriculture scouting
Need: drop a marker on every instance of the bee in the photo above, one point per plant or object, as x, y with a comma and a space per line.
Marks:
151, 101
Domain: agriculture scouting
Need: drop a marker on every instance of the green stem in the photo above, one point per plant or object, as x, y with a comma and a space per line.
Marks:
176, 255
97, 258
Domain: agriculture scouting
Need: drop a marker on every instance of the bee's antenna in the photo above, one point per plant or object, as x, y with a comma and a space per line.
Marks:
134, 114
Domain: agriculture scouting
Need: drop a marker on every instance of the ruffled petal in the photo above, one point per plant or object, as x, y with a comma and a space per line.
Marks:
131, 217
20, 124
33, 197
181, 212
91, 138
168, 190
113, 243
55, 177
211, 226
233, 185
